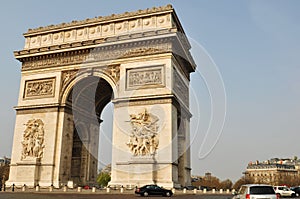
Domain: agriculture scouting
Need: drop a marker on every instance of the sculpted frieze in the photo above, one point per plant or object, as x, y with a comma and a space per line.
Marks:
144, 135
33, 139
39, 88
54, 60
141, 51
97, 54
141, 78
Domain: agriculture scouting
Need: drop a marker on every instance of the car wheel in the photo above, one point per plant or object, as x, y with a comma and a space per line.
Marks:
168, 194
146, 194
293, 195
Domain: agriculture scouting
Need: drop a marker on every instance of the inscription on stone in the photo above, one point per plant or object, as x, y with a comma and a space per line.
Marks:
145, 77
39, 88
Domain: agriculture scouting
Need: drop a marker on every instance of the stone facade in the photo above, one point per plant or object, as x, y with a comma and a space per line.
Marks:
141, 62
274, 171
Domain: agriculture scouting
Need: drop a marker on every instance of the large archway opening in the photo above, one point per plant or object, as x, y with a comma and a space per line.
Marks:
105, 138
88, 99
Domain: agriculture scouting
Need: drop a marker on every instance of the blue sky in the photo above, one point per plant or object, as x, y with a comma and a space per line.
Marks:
253, 44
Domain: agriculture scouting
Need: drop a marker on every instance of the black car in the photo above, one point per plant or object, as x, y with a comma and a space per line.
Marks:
190, 187
296, 190
153, 190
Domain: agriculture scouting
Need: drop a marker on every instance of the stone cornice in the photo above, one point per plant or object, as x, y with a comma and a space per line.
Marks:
102, 29
155, 99
101, 19
90, 43
101, 53
53, 105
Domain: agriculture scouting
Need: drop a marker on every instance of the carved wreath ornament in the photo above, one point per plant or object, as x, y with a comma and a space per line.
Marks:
143, 139
33, 139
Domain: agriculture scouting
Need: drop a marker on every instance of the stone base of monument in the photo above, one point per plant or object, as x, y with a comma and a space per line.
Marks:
140, 171
25, 172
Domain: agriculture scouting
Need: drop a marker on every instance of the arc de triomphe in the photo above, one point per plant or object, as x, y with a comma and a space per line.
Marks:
139, 61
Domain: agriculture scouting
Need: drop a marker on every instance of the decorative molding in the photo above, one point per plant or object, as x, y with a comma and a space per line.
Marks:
66, 76
113, 71
37, 110
39, 88
33, 139
55, 60
144, 139
141, 51
142, 102
145, 77
101, 19
104, 53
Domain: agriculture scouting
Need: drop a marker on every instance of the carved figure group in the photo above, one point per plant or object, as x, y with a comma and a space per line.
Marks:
39, 88
143, 139
33, 139
145, 78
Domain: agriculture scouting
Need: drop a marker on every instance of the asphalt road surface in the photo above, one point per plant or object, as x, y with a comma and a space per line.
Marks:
9, 195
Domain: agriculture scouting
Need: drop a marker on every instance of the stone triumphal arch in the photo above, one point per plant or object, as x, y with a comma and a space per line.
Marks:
139, 61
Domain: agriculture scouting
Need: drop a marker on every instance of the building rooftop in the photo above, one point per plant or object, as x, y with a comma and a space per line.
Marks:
275, 163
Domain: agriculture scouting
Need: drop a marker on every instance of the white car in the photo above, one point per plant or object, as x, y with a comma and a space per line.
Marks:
284, 191
256, 191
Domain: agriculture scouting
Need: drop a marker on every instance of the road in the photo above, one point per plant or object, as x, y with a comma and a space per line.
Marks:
20, 195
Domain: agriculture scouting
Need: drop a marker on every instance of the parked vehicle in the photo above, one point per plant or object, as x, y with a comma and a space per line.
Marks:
190, 187
256, 191
284, 191
153, 190
296, 190
86, 187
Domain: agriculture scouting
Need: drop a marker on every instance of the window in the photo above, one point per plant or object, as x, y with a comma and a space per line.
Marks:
262, 190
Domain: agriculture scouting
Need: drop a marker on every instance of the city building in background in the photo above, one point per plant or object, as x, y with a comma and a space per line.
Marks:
275, 171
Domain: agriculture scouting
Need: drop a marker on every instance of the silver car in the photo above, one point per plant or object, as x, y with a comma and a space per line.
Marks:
256, 191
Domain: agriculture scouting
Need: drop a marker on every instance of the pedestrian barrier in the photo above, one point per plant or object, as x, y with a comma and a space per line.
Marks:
110, 190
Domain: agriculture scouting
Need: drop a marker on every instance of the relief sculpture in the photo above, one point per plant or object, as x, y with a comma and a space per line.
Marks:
144, 135
147, 77
37, 88
33, 139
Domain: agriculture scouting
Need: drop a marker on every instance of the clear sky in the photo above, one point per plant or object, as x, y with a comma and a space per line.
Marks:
254, 45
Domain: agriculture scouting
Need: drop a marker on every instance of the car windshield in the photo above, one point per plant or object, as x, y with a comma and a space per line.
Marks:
262, 190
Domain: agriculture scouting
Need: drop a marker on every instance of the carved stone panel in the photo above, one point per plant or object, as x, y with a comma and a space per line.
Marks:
180, 88
145, 77
39, 88
144, 135
67, 76
33, 139
113, 71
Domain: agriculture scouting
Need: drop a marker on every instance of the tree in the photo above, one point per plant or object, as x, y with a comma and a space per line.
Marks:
243, 180
4, 171
226, 184
208, 181
103, 179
